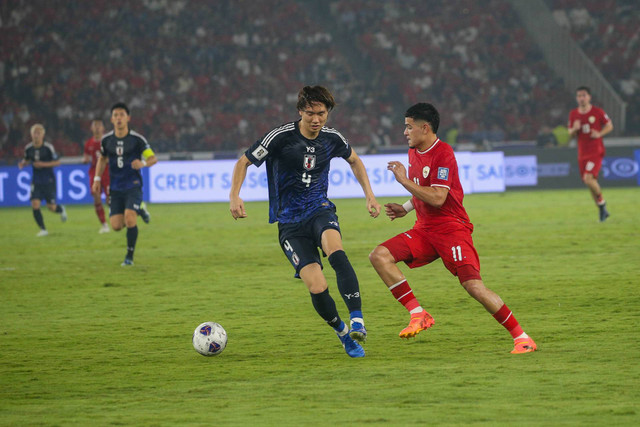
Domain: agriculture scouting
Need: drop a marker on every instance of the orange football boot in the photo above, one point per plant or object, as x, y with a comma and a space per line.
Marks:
419, 322
523, 345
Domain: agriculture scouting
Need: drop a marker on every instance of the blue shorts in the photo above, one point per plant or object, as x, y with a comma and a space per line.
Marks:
127, 199
300, 240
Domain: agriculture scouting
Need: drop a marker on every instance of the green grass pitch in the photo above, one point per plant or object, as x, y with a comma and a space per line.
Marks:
86, 342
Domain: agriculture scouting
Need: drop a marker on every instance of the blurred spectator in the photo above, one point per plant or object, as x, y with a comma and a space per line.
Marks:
546, 138
562, 136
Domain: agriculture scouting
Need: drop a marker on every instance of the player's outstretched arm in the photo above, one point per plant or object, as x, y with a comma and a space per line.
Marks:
604, 131
434, 196
50, 164
575, 127
360, 172
147, 162
236, 204
394, 210
96, 188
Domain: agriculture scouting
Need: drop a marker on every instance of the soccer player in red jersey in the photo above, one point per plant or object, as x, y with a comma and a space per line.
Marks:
442, 229
590, 124
91, 155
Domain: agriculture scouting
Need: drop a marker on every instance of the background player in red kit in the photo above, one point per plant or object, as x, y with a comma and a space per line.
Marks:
442, 229
91, 155
590, 124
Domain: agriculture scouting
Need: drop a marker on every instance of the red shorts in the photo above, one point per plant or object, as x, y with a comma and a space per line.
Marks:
590, 165
104, 182
418, 247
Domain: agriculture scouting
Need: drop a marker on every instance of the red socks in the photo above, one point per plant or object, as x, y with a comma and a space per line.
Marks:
99, 212
403, 293
505, 317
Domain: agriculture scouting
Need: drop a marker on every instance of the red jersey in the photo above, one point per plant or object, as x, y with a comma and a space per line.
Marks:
594, 119
437, 167
92, 149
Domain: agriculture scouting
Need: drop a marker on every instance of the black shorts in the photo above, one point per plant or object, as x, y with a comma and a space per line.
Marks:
127, 199
46, 192
300, 240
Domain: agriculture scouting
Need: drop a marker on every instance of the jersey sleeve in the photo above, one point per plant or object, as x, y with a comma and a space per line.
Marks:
571, 119
52, 150
267, 145
103, 146
443, 166
604, 118
343, 149
144, 149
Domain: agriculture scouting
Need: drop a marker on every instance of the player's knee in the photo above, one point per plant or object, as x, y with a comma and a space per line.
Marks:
311, 275
117, 224
317, 288
379, 256
130, 218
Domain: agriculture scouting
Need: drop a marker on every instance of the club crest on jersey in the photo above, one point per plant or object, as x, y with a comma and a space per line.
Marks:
425, 171
309, 161
592, 119
443, 173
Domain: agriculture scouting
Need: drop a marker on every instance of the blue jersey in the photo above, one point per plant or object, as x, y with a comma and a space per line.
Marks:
44, 153
121, 152
297, 170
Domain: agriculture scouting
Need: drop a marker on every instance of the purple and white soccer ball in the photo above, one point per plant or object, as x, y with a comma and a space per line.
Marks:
209, 339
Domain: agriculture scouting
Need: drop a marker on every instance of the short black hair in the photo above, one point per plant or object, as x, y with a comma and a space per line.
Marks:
584, 88
120, 105
315, 94
426, 112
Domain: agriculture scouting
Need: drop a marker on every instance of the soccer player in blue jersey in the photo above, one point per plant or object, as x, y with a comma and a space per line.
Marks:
127, 152
298, 156
43, 158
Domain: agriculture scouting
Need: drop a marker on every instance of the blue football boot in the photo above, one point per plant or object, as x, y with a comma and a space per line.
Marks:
352, 348
358, 332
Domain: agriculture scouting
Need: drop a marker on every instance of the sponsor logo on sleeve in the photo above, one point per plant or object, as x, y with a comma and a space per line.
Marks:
260, 153
443, 173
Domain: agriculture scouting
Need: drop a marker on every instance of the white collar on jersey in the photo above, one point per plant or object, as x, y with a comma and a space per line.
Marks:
428, 149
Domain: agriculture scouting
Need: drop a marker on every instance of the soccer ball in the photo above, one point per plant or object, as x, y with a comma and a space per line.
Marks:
209, 339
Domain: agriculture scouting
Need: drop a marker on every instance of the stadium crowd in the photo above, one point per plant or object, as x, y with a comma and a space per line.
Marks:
608, 31
215, 75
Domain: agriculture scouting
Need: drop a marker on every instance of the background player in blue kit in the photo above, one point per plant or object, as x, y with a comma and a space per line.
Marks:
298, 156
127, 152
43, 158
